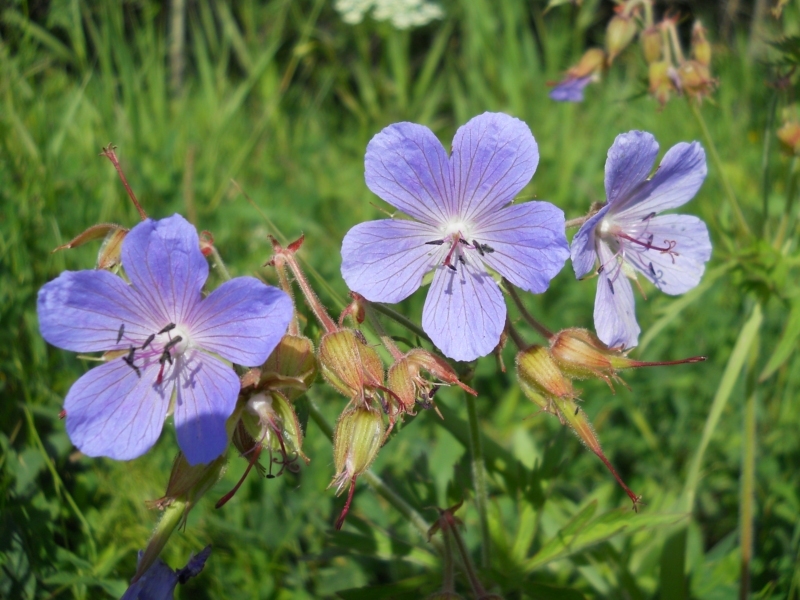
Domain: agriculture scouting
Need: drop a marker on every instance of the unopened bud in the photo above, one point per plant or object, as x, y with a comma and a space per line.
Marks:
355, 309
356, 442
206, 243
188, 483
540, 377
701, 49
291, 368
271, 421
695, 79
590, 63
349, 364
110, 250
651, 44
789, 136
620, 32
661, 84
407, 383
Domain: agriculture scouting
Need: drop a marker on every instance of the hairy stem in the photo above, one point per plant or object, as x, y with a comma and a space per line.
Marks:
402, 320
540, 329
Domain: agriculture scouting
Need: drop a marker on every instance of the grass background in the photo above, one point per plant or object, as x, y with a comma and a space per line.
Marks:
282, 97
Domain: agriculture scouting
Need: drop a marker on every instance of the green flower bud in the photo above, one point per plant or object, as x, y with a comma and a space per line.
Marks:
406, 381
651, 44
701, 49
540, 377
620, 32
348, 364
291, 368
356, 441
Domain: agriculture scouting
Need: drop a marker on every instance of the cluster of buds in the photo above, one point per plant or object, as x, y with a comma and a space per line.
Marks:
669, 72
545, 376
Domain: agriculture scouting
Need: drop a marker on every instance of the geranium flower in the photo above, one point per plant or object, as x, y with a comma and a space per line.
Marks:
570, 89
462, 224
164, 332
627, 237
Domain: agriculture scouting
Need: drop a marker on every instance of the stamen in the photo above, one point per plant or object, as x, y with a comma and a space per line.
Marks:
463, 241
121, 332
149, 339
648, 245
169, 327
451, 267
652, 269
600, 269
610, 285
435, 243
650, 216
172, 343
129, 361
478, 247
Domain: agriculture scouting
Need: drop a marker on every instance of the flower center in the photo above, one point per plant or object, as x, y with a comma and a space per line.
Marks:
161, 347
457, 234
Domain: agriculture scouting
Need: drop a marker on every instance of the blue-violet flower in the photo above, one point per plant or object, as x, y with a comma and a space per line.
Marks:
627, 237
164, 333
462, 224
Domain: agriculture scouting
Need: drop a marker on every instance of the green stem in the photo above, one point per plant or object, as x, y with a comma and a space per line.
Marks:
449, 580
726, 184
765, 181
469, 567
791, 193
219, 264
479, 477
402, 320
386, 339
741, 350
540, 329
747, 494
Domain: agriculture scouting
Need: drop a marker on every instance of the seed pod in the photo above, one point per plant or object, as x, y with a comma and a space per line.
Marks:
356, 442
620, 32
348, 364
291, 368
651, 44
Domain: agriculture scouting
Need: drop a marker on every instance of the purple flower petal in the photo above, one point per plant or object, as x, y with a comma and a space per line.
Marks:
242, 320
614, 309
582, 250
164, 263
407, 167
385, 261
494, 157
679, 176
464, 313
630, 160
85, 311
679, 271
528, 243
113, 411
570, 89
206, 396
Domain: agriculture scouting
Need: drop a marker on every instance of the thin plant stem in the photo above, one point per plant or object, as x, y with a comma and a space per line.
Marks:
386, 339
469, 567
286, 286
402, 320
110, 153
220, 264
374, 480
312, 300
726, 184
577, 221
765, 180
449, 579
514, 335
479, 477
747, 493
540, 329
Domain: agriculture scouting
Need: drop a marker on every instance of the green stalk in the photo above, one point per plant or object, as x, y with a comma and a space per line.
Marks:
479, 477
791, 193
401, 320
726, 184
747, 493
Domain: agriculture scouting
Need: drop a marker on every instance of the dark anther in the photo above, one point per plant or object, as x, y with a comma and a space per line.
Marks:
169, 327
149, 339
652, 269
172, 343
461, 259
435, 243
463, 241
165, 357
650, 216
610, 285
487, 248
478, 247
451, 267
601, 269
129, 361
361, 338
433, 391
121, 332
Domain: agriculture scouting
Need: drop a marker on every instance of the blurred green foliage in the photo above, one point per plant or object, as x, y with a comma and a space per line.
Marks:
282, 97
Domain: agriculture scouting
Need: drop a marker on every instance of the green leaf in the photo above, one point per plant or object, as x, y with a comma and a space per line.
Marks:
583, 532
786, 345
408, 588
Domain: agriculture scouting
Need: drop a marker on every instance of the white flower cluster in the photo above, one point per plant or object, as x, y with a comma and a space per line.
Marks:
403, 14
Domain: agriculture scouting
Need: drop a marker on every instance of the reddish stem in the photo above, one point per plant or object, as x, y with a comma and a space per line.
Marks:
111, 155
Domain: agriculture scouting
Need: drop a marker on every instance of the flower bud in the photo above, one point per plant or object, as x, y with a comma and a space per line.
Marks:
651, 44
356, 441
661, 84
188, 483
701, 49
695, 79
291, 368
590, 63
270, 420
540, 378
349, 364
110, 250
789, 136
620, 32
407, 383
